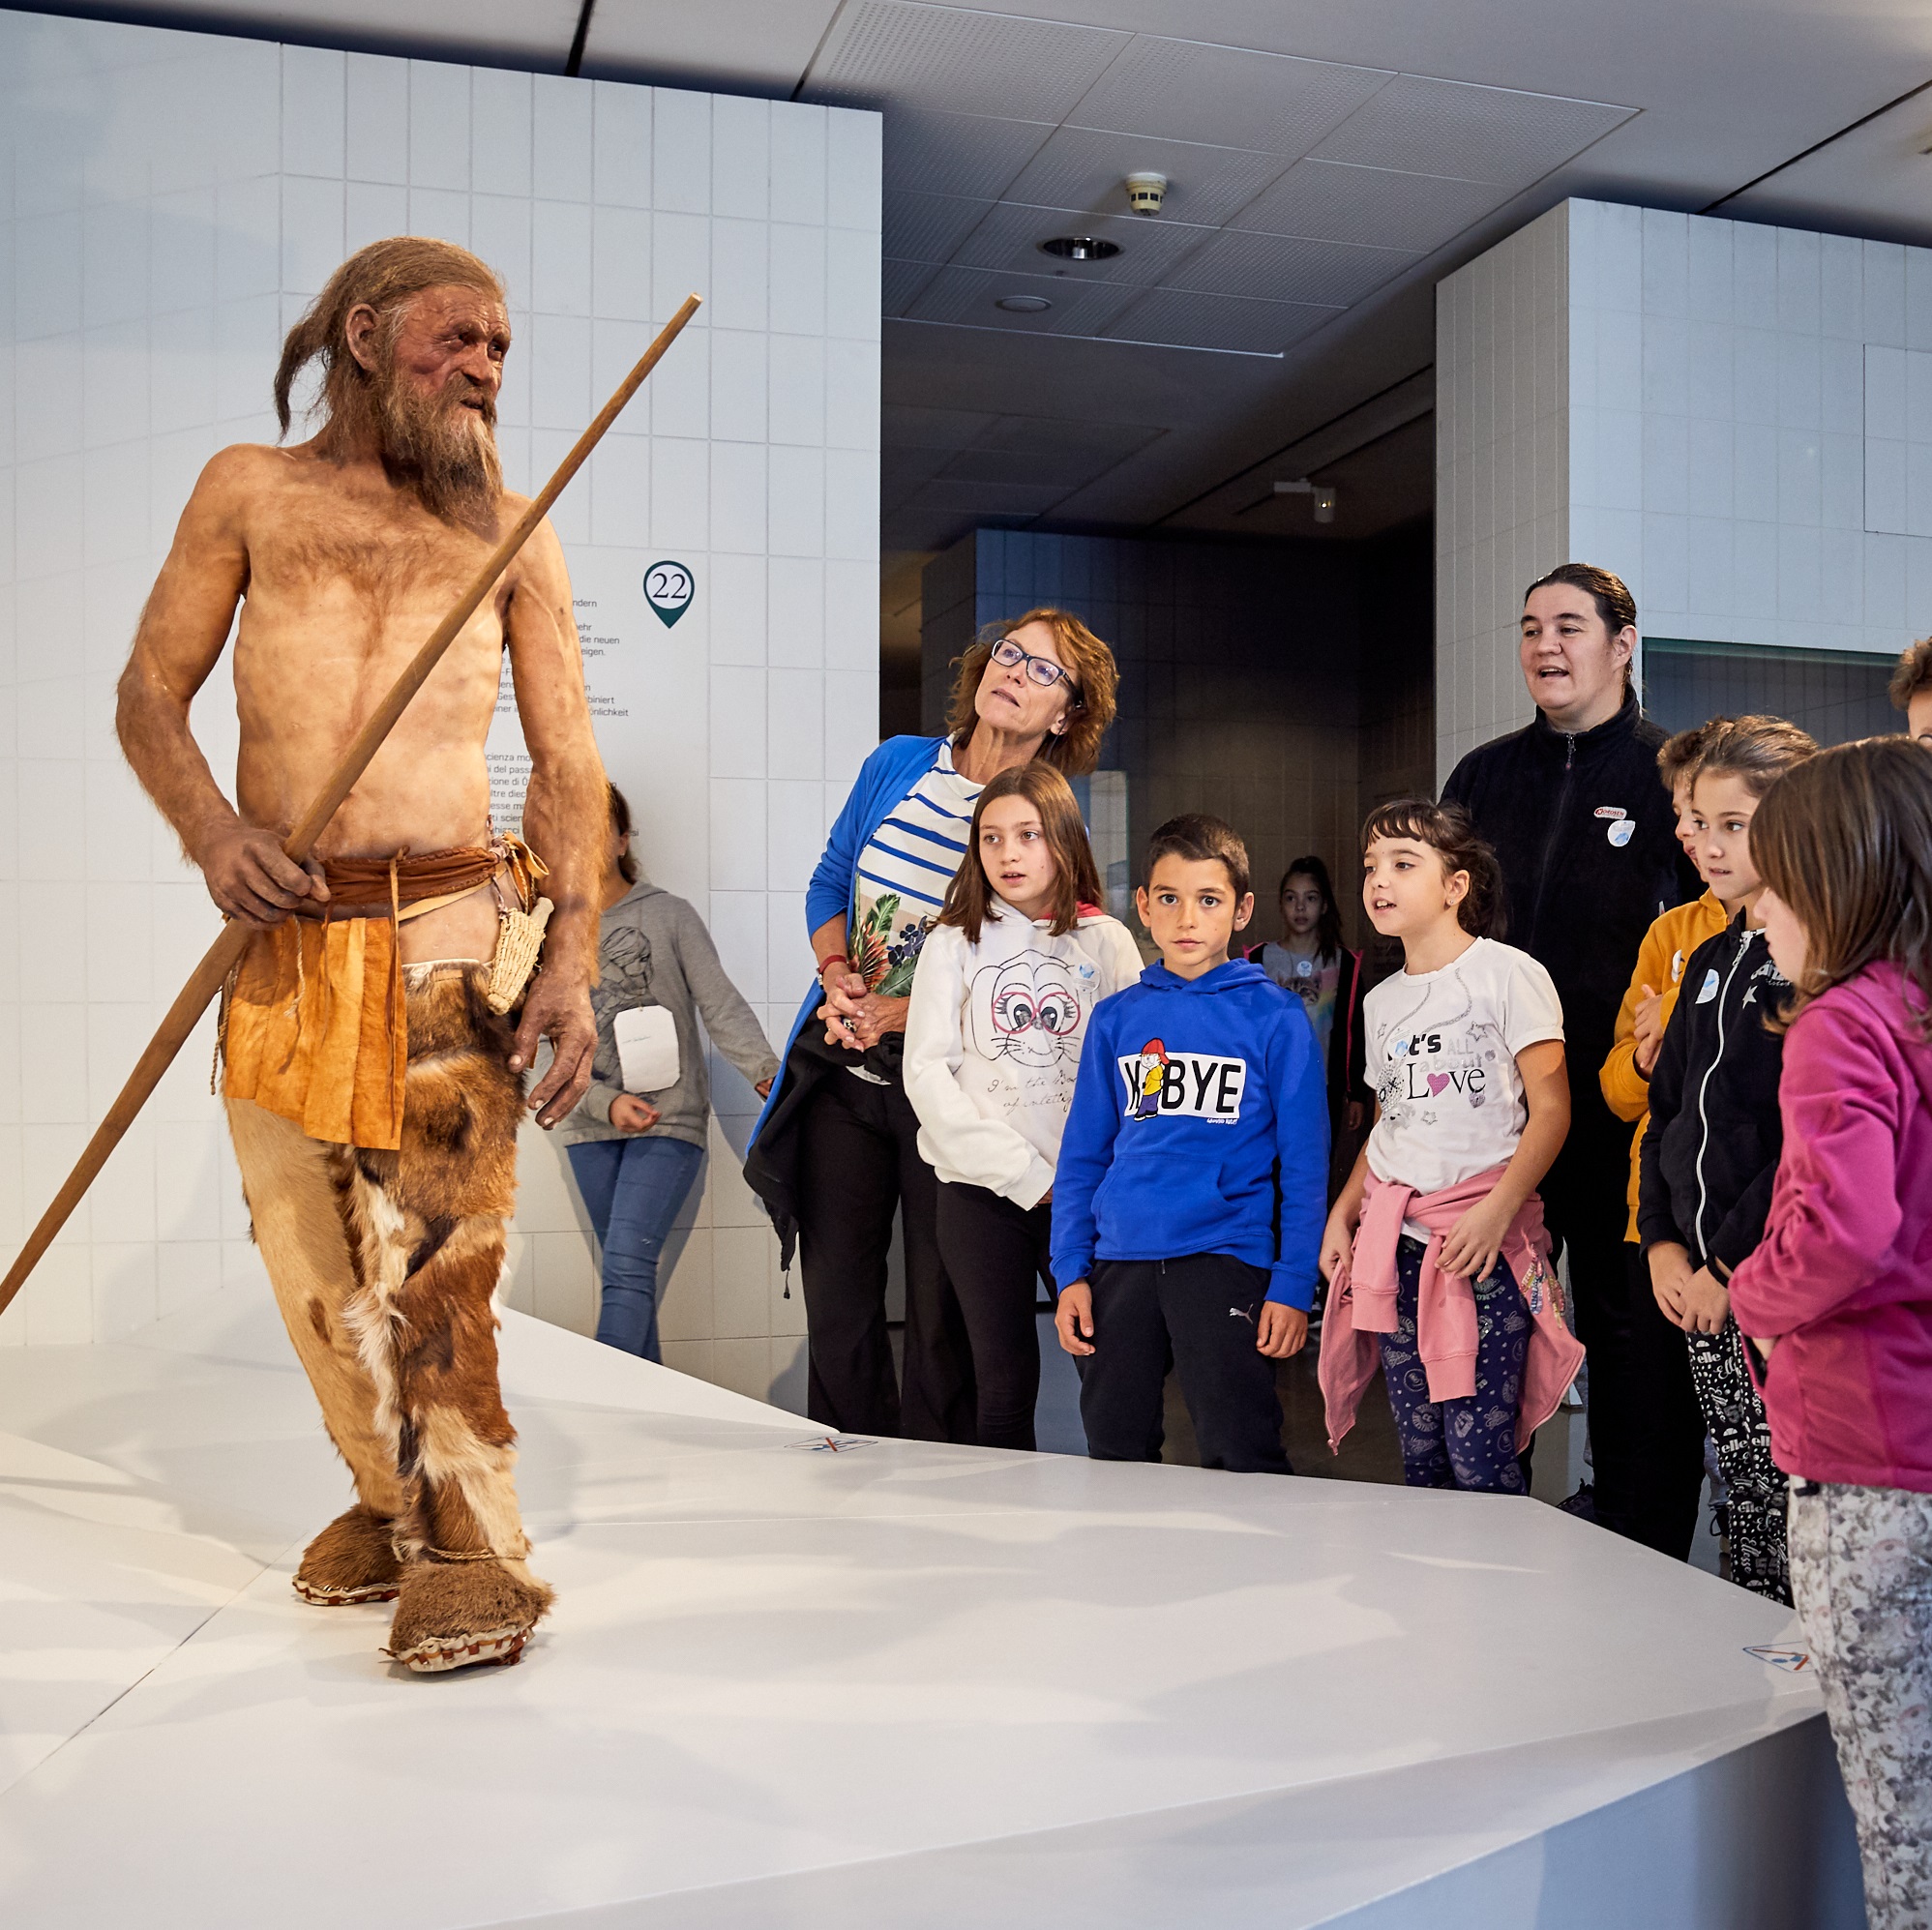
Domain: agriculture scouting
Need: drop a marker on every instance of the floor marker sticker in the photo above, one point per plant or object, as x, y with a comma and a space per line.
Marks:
1794, 1661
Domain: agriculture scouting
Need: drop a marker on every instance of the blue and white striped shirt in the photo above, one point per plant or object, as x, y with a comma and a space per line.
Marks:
903, 869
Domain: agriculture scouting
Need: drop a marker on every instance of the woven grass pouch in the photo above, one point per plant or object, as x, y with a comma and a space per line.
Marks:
519, 943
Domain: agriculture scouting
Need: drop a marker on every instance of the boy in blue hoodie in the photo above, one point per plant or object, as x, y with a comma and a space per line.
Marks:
1190, 1189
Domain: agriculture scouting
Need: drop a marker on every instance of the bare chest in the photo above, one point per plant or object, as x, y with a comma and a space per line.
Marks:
341, 594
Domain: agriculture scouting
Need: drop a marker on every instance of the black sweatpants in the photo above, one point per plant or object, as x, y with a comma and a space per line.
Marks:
858, 1160
995, 1252
1646, 1435
1200, 1315
1664, 1446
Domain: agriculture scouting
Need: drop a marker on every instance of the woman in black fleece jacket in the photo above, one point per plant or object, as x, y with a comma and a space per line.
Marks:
1710, 1153
1583, 826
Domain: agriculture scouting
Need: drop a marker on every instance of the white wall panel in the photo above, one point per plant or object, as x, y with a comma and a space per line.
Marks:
156, 246
1744, 436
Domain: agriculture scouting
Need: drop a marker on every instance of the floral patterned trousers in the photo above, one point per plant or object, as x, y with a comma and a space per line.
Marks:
1861, 1570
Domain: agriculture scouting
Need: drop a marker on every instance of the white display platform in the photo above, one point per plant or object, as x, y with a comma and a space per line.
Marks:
893, 1686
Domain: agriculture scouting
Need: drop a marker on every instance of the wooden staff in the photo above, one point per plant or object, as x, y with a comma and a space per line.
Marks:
208, 976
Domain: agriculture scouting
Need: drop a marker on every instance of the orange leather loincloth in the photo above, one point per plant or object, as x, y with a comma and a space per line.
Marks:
314, 1026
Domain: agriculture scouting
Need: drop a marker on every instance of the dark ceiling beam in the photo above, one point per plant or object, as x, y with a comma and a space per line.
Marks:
575, 63
1343, 434
1816, 147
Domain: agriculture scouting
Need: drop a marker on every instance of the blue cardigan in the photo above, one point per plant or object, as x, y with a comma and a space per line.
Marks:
883, 781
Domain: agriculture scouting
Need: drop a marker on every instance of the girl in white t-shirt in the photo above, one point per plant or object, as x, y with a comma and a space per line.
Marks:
1005, 984
1435, 1249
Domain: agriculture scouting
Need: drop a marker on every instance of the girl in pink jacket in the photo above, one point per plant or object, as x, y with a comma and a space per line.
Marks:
1836, 1299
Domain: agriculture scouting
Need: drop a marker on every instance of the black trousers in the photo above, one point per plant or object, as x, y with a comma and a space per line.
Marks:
859, 1160
1663, 1444
1646, 1435
1199, 1315
995, 1252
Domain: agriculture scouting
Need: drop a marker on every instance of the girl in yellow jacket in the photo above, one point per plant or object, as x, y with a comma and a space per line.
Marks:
1669, 1460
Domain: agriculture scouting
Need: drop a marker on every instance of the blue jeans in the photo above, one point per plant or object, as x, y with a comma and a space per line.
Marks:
1469, 1442
632, 1190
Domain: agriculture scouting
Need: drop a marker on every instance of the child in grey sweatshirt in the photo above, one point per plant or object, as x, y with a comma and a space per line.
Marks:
635, 1155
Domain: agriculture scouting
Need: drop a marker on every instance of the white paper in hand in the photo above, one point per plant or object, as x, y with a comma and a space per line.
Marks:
646, 1038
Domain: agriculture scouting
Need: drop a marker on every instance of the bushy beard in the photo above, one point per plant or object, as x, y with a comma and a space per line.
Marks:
447, 450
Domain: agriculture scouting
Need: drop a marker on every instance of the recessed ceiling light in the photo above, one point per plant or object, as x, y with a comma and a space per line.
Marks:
1024, 305
1081, 247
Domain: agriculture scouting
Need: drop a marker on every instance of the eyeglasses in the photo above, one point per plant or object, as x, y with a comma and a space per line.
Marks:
1041, 671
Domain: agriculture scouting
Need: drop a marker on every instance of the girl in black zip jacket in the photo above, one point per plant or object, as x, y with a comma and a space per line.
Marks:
1710, 1153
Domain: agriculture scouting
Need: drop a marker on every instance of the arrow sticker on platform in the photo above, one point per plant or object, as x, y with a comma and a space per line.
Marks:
1794, 1661
833, 1443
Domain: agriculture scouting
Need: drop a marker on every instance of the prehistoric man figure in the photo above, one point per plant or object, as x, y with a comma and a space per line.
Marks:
372, 1091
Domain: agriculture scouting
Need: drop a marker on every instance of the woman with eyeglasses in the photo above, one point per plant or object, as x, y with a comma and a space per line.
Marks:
834, 1154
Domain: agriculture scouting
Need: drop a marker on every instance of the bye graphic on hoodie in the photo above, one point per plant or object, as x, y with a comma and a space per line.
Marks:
993, 1041
1200, 1124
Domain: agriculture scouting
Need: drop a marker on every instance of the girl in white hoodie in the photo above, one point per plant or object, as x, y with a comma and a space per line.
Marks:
1006, 982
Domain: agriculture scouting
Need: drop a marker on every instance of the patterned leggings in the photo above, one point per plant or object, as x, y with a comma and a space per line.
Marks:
1470, 1442
1753, 1483
1862, 1564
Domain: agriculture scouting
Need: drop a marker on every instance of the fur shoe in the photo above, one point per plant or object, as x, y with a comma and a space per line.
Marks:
351, 1561
454, 1615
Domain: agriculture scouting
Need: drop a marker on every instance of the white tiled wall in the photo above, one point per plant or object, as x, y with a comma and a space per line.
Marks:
1742, 425
172, 202
1502, 486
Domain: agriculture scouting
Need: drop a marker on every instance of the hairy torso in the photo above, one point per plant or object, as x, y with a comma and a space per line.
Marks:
345, 584
346, 577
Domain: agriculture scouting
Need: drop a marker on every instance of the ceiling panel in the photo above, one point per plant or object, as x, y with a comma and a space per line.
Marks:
1181, 89
766, 40
1476, 133
928, 227
902, 471
909, 426
989, 499
1185, 320
900, 284
1078, 168
929, 153
1098, 444
1010, 236
1331, 201
969, 295
1284, 268
967, 63
537, 30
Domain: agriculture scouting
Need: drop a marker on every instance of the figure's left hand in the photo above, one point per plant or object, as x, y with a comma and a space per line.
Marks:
558, 1009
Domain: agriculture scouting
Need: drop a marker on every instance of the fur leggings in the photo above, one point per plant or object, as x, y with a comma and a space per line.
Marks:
385, 1267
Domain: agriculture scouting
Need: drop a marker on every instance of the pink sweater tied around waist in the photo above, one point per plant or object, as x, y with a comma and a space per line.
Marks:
1361, 1306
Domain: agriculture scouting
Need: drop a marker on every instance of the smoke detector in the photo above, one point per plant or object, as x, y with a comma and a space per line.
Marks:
1144, 192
